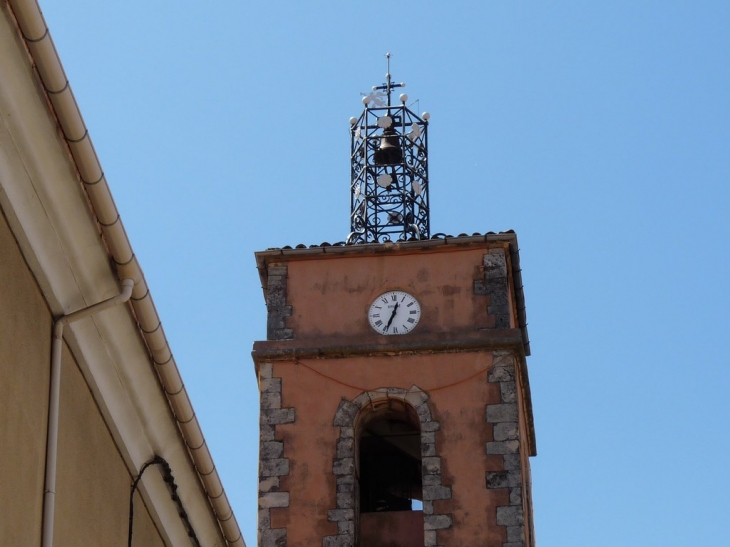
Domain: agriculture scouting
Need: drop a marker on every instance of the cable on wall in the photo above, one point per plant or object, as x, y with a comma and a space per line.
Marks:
172, 487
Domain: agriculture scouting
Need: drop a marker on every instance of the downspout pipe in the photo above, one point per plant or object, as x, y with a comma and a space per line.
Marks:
49, 492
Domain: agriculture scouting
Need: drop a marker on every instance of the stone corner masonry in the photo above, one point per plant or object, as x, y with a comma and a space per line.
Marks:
505, 423
278, 311
272, 463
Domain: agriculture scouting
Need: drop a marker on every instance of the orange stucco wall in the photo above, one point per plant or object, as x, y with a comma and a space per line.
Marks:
458, 389
331, 296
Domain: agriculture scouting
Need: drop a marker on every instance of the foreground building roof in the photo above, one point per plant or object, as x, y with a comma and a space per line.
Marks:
57, 202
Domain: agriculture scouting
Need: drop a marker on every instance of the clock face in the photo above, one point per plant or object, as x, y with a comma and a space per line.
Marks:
394, 312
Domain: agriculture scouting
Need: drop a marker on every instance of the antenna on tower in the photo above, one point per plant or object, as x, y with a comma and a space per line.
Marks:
389, 169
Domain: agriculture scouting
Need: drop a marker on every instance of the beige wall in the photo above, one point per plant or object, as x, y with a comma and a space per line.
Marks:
92, 493
25, 354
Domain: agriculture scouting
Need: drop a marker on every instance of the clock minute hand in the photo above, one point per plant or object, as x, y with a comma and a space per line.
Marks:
392, 315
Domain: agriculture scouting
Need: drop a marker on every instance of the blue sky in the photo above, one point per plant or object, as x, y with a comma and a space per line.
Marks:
599, 132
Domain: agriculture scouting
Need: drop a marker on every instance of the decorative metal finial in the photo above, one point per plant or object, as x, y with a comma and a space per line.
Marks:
388, 85
389, 169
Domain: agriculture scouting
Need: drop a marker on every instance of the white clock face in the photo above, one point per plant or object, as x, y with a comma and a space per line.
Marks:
394, 312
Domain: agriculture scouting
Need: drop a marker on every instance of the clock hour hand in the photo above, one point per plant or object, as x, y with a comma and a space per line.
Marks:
392, 315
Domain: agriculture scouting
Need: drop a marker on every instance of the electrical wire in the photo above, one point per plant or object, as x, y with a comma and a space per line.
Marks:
496, 362
172, 487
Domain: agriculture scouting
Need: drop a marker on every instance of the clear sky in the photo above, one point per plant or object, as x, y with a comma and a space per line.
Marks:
598, 131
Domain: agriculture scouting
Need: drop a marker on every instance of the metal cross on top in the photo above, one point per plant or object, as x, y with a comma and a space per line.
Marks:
388, 85
389, 169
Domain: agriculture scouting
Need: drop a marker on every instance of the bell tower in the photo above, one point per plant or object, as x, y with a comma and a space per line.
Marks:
395, 399
388, 169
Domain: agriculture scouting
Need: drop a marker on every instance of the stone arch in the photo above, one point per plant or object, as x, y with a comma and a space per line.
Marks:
349, 414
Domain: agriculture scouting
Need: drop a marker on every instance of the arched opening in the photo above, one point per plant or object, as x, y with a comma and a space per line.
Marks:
389, 485
390, 466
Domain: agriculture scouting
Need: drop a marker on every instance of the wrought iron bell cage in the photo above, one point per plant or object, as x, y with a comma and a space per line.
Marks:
389, 170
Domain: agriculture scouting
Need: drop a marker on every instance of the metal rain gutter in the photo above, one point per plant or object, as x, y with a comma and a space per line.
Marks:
37, 38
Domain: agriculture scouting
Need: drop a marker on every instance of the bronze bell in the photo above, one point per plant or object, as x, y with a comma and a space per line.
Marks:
389, 151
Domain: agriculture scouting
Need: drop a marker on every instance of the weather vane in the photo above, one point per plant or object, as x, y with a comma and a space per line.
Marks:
389, 169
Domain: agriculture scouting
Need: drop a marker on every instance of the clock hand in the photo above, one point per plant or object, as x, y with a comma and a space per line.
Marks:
392, 315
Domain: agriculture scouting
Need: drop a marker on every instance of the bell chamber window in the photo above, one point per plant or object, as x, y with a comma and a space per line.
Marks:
390, 466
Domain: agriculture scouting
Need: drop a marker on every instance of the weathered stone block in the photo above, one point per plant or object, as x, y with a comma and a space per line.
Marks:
377, 396
346, 527
432, 480
346, 412
275, 320
346, 483
427, 507
504, 479
274, 499
345, 500
498, 297
503, 447
480, 288
274, 468
277, 416
346, 448
497, 479
429, 538
416, 396
341, 540
501, 321
270, 385
512, 461
264, 520
433, 425
431, 465
281, 334
267, 432
397, 393
428, 449
347, 432
506, 412
362, 400
504, 431
268, 484
337, 515
424, 413
509, 516
503, 372
266, 370
437, 522
270, 401
276, 270
515, 496
271, 449
508, 390
343, 466
436, 493
495, 264
276, 292
515, 534
272, 538
429, 437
